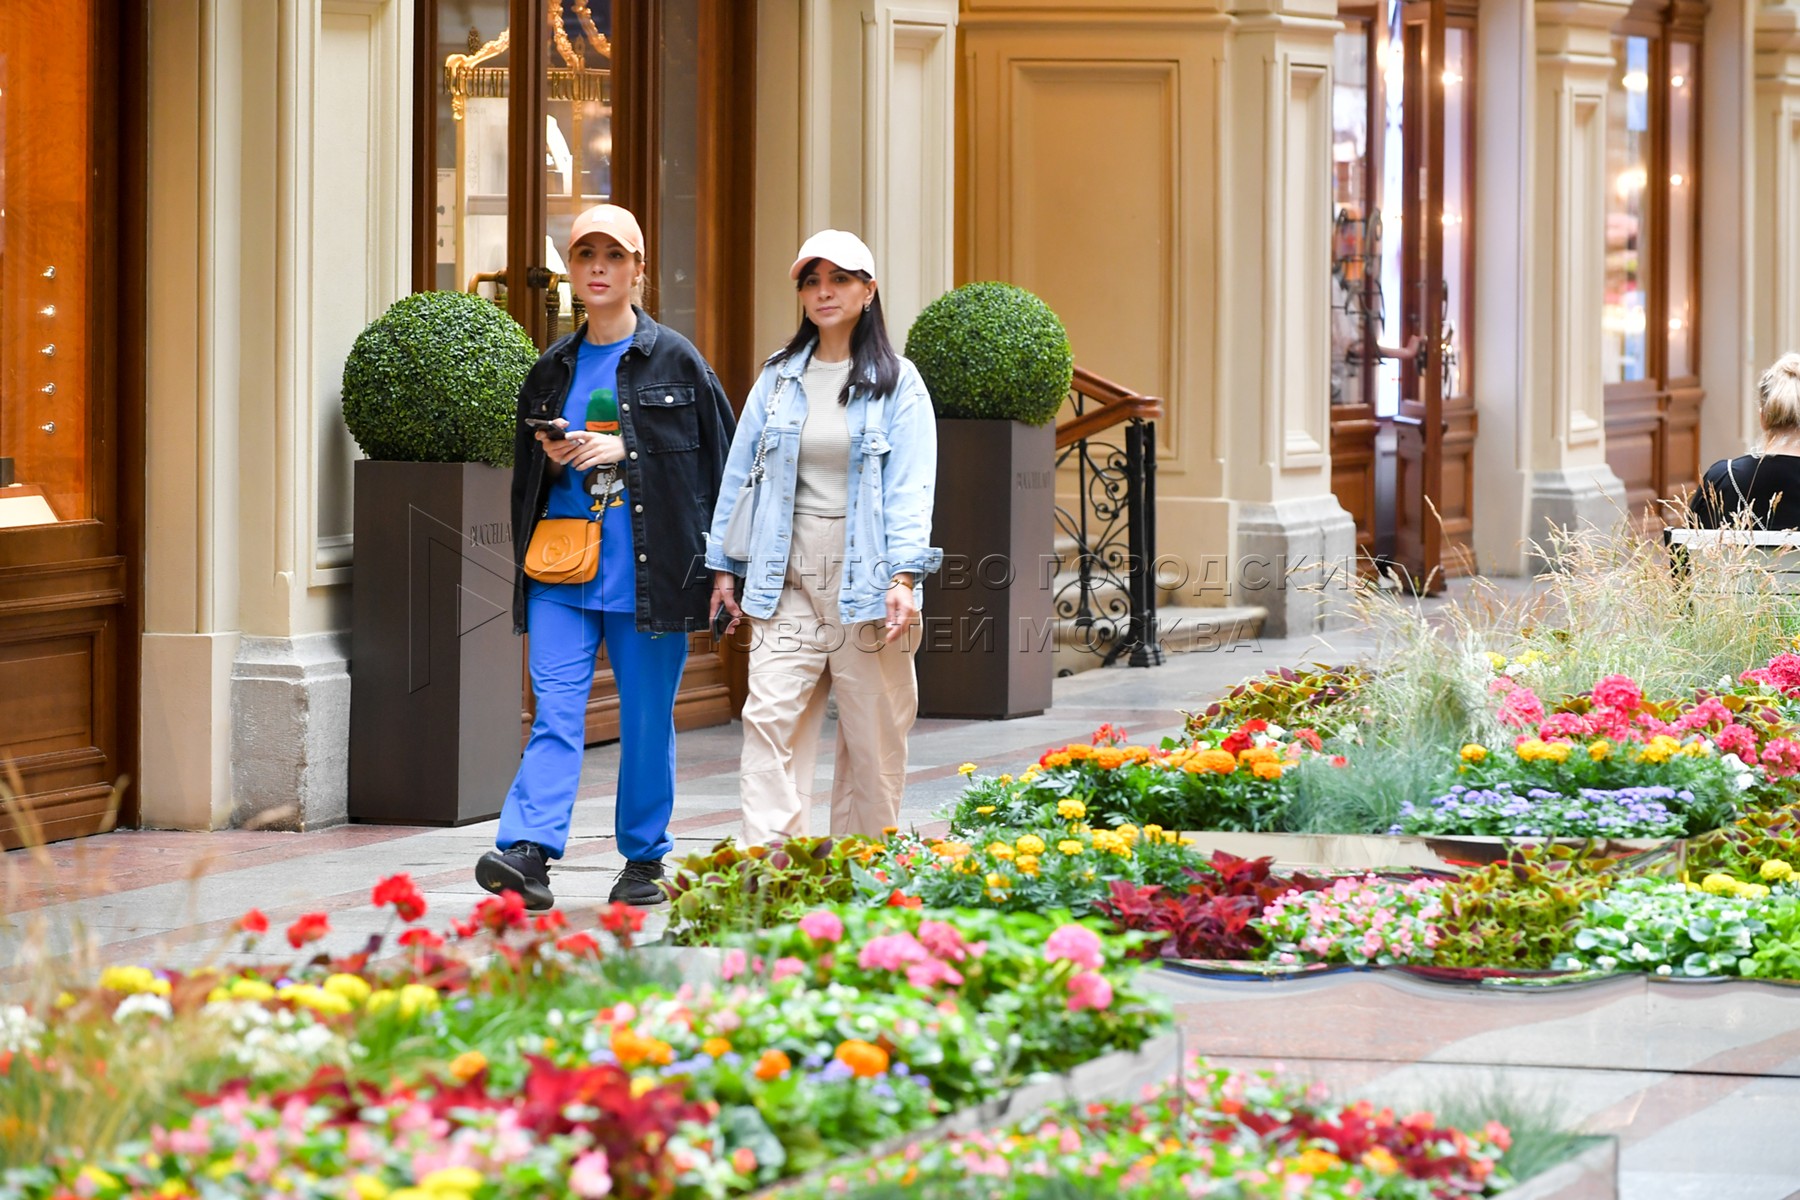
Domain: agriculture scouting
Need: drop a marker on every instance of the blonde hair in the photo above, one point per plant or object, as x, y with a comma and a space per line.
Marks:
1779, 395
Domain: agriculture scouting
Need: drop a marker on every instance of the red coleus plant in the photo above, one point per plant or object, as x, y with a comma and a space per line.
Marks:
1417, 1144
1211, 918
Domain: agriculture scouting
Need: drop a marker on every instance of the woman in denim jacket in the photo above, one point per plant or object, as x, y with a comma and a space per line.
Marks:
840, 541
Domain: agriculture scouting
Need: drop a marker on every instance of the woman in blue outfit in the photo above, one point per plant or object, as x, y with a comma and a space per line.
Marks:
623, 424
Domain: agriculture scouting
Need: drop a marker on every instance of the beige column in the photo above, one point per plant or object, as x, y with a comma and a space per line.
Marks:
1564, 419
1730, 251
279, 210
1293, 545
1776, 325
855, 129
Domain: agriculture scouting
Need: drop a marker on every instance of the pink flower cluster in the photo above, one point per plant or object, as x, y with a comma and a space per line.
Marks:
1782, 674
1361, 921
1080, 947
927, 959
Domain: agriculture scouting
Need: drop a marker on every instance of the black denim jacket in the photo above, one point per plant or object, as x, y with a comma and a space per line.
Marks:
677, 427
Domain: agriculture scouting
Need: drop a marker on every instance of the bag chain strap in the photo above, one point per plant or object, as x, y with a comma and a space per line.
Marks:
759, 469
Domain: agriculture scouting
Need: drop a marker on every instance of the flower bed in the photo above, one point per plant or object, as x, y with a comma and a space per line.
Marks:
1214, 1130
516, 1057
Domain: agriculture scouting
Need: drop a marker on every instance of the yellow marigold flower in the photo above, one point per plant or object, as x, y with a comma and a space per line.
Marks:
1028, 864
1060, 759
715, 1047
452, 1179
353, 988
1071, 809
1380, 1160
1185, 839
1031, 843
1600, 750
1128, 832
1474, 752
1658, 749
1000, 850
1314, 1161
996, 882
966, 769
1496, 661
1529, 750
1006, 779
1529, 657
1697, 749
1750, 891
367, 1187
133, 980
252, 989
468, 1065
641, 1086
1776, 870
1556, 751
949, 849
1069, 846
99, 1178
1029, 774
1267, 770
416, 998
1152, 832
1718, 884
984, 809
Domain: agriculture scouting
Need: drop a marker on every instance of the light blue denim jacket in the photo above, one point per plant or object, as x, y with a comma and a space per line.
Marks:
887, 517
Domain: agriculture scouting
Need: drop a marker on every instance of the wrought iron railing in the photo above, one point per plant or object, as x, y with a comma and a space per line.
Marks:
1106, 448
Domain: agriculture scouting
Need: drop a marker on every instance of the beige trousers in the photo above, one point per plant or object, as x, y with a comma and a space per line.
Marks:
798, 657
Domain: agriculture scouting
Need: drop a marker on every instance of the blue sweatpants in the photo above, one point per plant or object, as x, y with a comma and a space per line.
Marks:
563, 646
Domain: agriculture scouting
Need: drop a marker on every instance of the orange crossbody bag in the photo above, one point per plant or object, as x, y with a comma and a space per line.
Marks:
564, 550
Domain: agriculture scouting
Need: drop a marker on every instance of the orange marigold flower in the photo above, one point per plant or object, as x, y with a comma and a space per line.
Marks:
773, 1065
468, 1065
1076, 751
866, 1059
1221, 761
716, 1047
1109, 759
1267, 770
1259, 754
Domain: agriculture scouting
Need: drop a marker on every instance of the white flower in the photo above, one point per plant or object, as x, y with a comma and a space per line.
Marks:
1664, 970
143, 1003
19, 1030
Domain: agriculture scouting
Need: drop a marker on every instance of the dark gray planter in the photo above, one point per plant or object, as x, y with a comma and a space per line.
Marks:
989, 616
435, 671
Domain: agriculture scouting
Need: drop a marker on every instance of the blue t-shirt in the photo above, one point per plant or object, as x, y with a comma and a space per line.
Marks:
614, 586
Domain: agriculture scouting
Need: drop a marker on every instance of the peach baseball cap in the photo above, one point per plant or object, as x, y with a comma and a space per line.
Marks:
838, 246
610, 219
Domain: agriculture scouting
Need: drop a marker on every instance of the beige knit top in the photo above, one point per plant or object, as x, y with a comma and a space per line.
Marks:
821, 482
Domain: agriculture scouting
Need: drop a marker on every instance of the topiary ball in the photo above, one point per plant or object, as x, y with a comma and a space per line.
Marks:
436, 378
992, 351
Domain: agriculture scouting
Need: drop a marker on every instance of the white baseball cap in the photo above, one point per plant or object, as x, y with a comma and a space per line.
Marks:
837, 246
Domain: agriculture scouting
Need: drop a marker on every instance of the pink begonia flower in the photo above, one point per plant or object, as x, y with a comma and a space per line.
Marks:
891, 952
822, 926
590, 1177
1737, 739
1521, 708
1782, 674
931, 972
1089, 989
734, 964
788, 965
943, 939
1077, 944
1619, 692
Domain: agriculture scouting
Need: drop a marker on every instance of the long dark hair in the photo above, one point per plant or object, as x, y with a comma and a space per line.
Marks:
870, 350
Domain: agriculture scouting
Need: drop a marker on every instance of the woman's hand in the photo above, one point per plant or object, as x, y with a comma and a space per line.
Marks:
582, 450
902, 607
725, 594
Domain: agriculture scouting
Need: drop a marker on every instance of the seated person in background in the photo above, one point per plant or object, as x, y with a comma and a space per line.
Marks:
1766, 484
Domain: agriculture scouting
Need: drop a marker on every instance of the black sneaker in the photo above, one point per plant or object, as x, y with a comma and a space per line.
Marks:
639, 885
520, 868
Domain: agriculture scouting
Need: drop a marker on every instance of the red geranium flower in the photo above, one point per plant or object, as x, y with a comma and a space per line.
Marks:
900, 899
422, 938
309, 928
502, 912
253, 922
403, 894
621, 919
579, 943
550, 922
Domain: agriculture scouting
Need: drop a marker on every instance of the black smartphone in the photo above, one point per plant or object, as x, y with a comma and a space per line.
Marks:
720, 620
554, 431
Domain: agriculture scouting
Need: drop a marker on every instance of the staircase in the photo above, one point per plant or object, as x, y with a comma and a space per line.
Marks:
1106, 600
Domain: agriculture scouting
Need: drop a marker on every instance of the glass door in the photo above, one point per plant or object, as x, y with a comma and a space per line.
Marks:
1434, 420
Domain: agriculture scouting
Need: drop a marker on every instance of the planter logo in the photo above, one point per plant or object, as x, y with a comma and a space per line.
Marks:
1033, 480
491, 533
